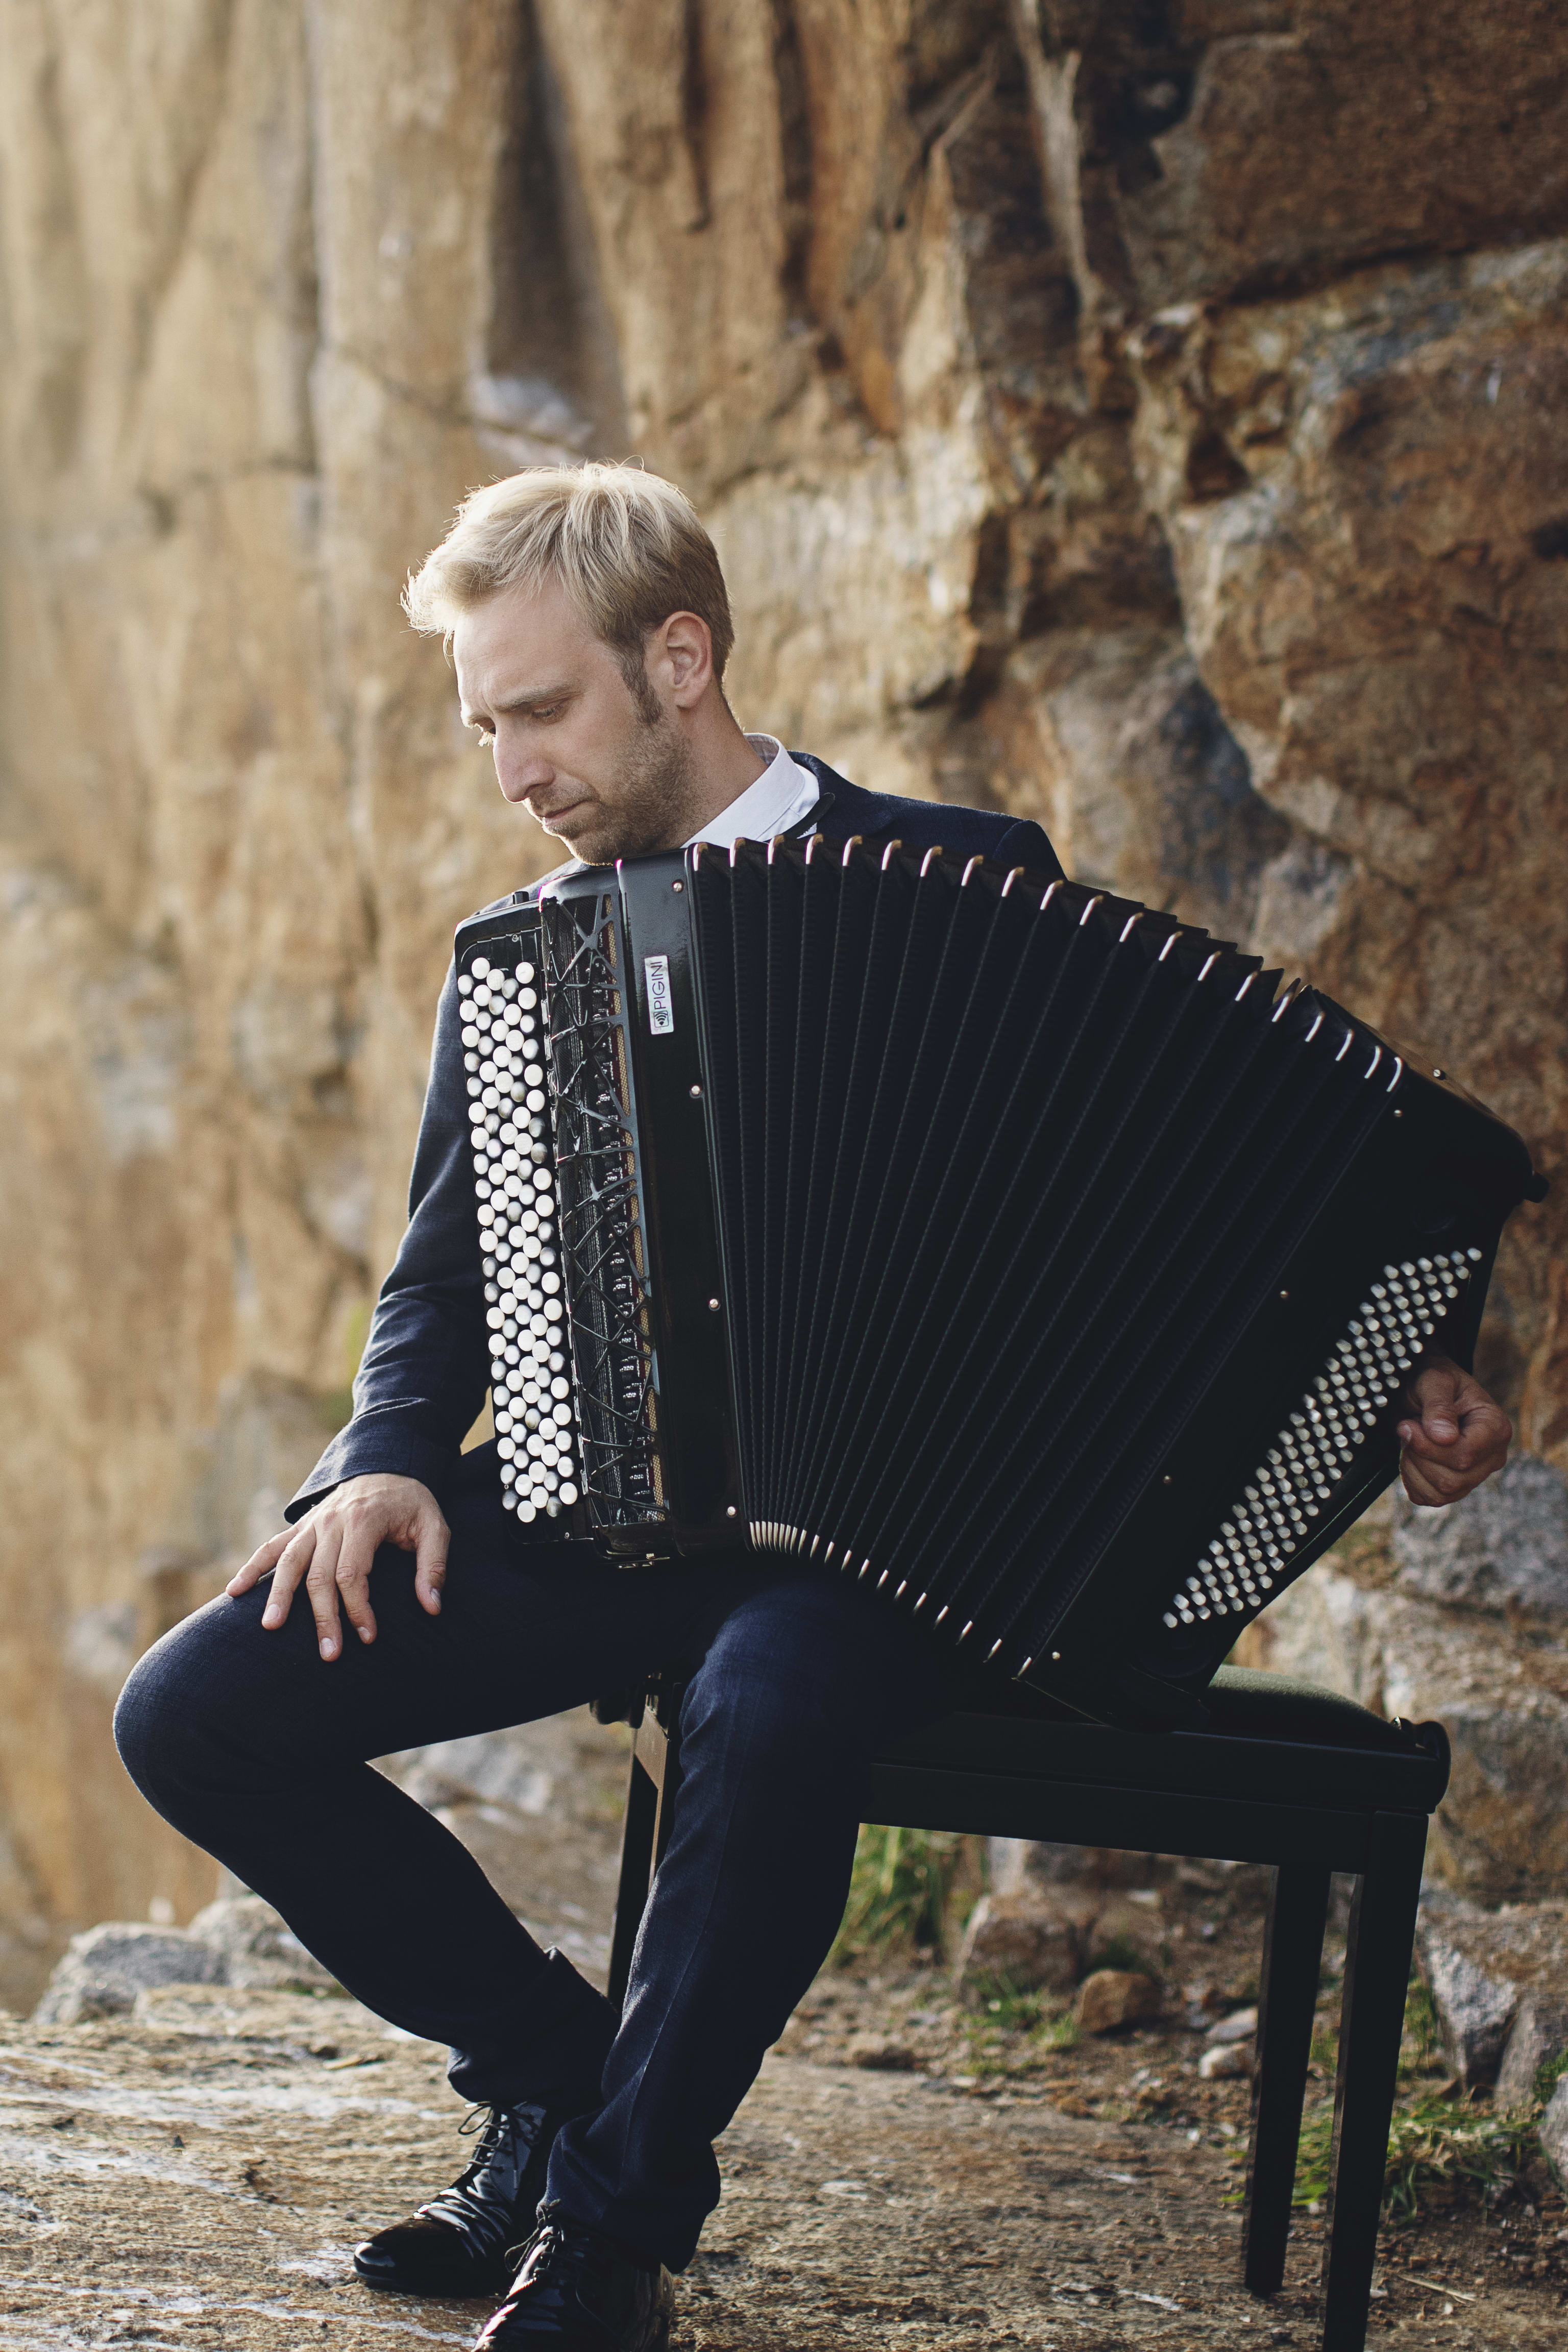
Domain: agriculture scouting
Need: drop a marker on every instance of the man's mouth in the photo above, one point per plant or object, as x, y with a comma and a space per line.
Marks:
550, 818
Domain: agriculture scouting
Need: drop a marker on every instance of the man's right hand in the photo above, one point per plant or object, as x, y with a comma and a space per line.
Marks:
334, 1548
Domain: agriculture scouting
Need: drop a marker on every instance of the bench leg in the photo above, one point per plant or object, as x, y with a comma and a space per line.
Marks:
637, 1870
1292, 1960
1371, 2018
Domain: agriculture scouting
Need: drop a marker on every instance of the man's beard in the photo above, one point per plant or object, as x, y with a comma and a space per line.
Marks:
656, 806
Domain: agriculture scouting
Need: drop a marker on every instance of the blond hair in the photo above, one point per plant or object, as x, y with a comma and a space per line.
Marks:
627, 548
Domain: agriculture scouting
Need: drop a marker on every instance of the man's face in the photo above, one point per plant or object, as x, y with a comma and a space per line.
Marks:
605, 776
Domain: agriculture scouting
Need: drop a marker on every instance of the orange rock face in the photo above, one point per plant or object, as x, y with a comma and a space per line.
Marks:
1139, 417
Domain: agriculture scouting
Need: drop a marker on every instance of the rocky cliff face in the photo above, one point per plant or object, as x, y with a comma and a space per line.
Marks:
1141, 415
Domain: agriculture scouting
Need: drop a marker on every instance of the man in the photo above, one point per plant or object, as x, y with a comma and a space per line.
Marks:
589, 627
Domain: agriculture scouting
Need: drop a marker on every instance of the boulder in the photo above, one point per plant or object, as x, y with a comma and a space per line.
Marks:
878, 2054
1503, 1549
101, 1971
1225, 2061
1021, 1941
1537, 2036
256, 1950
1113, 1998
1128, 1934
1016, 1863
1553, 2132
1501, 1834
1480, 1964
1241, 2025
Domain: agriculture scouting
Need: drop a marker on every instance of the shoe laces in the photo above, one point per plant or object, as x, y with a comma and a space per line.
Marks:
554, 2259
476, 2202
559, 2249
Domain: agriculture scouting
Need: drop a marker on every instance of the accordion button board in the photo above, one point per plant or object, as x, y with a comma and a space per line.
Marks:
1025, 1255
515, 1193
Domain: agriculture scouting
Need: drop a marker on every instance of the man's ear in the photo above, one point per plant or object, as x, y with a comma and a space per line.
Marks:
682, 648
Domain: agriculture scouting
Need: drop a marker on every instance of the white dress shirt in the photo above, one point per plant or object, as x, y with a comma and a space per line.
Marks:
782, 794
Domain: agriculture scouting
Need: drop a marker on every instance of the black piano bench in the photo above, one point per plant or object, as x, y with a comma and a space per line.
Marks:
1284, 1774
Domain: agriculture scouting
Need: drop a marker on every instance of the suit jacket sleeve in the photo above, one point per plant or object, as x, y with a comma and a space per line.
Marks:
425, 1368
1026, 843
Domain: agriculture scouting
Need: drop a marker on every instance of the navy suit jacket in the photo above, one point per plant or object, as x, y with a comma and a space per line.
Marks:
426, 1369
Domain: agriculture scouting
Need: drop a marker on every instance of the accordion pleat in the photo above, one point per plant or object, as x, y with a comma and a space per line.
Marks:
1000, 1171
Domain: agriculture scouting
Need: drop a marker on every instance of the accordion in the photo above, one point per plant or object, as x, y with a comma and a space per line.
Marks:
1019, 1251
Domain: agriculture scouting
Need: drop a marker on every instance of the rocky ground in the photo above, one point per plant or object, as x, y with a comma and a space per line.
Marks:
914, 2167
197, 2174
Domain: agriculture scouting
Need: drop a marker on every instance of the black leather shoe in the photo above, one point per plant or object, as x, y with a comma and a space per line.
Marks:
465, 2241
577, 2293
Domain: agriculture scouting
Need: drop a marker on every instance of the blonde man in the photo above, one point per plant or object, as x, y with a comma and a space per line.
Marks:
589, 629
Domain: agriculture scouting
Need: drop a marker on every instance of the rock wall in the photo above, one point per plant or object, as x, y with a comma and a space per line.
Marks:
1141, 416
1457, 1615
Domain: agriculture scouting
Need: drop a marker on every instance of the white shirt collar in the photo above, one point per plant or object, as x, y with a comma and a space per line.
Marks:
782, 794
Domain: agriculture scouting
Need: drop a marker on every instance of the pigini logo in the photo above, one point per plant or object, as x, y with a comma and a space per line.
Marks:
660, 1007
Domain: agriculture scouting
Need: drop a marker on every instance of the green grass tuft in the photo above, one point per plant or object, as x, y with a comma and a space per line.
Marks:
1436, 2142
903, 1892
1548, 2074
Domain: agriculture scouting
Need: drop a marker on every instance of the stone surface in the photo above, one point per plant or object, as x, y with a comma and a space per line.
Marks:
858, 2209
1145, 419
1478, 1965
1537, 2038
1361, 486
102, 1971
1225, 2061
1014, 1864
1501, 1691
1023, 1943
256, 1951
1113, 1998
877, 2054
1129, 1935
1241, 2025
1503, 1549
1553, 2133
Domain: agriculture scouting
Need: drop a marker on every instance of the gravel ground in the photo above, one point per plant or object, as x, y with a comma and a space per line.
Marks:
908, 2171
198, 2175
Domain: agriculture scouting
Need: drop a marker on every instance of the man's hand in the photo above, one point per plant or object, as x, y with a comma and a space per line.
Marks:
1459, 1437
334, 1547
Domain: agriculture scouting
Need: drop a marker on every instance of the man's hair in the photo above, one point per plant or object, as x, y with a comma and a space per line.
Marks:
627, 548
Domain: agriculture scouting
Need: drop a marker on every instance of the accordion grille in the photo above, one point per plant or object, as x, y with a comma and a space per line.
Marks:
603, 1224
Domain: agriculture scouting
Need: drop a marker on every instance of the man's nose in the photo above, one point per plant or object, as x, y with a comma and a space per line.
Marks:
520, 772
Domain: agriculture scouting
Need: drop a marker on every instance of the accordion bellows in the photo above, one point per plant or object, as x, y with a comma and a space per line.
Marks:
1012, 1249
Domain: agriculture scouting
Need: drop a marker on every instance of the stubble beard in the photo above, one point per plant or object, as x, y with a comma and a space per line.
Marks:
657, 797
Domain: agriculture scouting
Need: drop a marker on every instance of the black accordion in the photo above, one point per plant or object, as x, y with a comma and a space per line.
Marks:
1019, 1251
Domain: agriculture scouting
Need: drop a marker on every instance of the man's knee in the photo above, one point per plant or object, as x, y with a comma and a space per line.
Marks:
169, 1718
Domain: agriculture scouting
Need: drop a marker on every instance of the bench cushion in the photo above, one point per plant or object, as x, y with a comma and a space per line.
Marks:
1270, 1740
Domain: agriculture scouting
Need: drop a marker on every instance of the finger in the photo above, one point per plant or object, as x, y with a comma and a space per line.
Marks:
1447, 1474
264, 1556
1478, 1445
1433, 1481
293, 1563
1438, 1442
1438, 1395
432, 1539
1419, 1488
322, 1592
355, 1559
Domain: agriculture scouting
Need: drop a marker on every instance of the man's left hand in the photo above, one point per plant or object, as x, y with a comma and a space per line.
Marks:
1460, 1436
